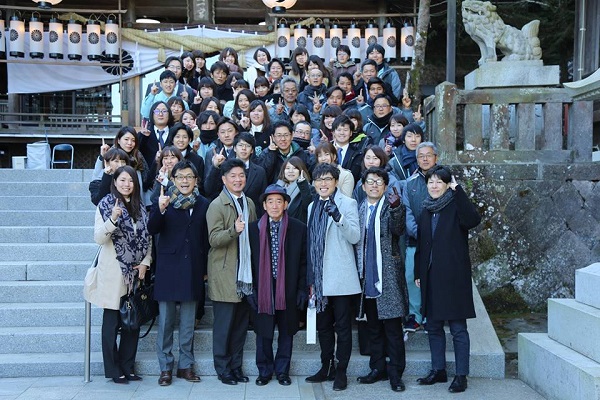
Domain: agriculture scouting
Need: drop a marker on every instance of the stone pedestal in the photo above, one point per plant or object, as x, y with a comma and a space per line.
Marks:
501, 74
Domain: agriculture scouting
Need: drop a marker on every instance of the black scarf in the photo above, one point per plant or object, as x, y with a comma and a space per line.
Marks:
434, 206
303, 143
409, 159
381, 122
207, 136
317, 230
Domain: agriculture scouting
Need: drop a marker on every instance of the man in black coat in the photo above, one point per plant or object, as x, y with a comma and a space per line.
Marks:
278, 246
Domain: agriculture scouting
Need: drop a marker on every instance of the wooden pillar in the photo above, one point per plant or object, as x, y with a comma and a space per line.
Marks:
130, 16
201, 11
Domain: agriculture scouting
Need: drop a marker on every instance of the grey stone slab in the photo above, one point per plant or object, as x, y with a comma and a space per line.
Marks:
571, 171
23, 234
34, 203
80, 203
46, 218
556, 371
41, 291
70, 234
48, 252
14, 386
568, 320
587, 282
66, 392
57, 188
501, 74
45, 175
56, 270
13, 271
45, 314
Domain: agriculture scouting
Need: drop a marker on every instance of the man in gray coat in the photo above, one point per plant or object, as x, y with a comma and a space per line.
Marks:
384, 298
333, 230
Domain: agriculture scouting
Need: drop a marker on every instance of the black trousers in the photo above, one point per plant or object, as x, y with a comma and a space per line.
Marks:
117, 361
336, 319
280, 364
230, 328
385, 337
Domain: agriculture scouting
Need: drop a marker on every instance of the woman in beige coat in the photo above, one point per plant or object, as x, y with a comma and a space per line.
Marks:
121, 228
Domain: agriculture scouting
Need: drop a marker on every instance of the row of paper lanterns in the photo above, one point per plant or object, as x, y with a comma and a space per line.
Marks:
316, 43
75, 38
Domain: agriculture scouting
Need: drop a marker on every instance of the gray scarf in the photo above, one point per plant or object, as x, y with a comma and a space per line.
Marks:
317, 230
244, 267
436, 205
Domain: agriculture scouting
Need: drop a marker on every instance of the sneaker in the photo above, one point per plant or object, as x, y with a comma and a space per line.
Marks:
411, 325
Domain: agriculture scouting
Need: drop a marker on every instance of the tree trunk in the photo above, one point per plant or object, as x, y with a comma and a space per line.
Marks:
414, 76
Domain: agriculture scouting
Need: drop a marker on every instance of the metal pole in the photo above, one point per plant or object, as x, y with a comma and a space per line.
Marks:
88, 331
451, 42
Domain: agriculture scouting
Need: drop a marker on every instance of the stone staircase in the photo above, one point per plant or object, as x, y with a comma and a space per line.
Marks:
46, 245
564, 364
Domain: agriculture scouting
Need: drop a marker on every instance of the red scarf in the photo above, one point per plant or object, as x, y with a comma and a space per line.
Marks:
265, 290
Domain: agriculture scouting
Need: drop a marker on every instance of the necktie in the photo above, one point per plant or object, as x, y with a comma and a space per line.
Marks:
340, 158
274, 247
241, 201
371, 274
160, 138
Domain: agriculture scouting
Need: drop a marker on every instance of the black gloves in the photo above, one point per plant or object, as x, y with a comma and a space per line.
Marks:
332, 210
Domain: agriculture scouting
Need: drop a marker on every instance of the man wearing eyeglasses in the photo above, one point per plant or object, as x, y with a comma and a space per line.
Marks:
384, 299
332, 276
281, 148
378, 125
175, 65
412, 198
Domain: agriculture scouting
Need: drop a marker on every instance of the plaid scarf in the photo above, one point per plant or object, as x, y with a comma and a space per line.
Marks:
180, 201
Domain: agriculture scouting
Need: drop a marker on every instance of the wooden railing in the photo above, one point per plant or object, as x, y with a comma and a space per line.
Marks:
24, 123
509, 125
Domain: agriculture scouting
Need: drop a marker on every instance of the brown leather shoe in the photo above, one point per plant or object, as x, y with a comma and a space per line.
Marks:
188, 374
165, 378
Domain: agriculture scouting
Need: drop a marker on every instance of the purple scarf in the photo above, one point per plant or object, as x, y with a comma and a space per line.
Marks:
265, 291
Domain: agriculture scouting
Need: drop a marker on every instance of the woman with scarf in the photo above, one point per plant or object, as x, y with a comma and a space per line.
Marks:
403, 160
443, 272
179, 218
295, 178
207, 121
260, 125
257, 68
121, 228
278, 247
181, 137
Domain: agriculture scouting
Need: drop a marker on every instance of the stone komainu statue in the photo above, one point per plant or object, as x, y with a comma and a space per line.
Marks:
488, 30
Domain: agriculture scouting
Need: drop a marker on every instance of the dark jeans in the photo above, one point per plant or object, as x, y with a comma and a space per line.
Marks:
336, 319
437, 344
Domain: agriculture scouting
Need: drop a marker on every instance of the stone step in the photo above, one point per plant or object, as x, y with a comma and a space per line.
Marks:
46, 218
46, 234
41, 292
45, 175
302, 364
46, 188
63, 339
43, 270
55, 203
46, 314
568, 320
556, 371
587, 281
48, 251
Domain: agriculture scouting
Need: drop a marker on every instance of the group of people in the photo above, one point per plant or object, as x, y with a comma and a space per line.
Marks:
312, 189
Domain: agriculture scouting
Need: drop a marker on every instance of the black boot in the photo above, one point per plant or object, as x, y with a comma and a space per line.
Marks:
341, 380
326, 373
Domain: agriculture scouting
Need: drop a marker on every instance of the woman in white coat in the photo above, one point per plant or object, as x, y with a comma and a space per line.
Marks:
121, 228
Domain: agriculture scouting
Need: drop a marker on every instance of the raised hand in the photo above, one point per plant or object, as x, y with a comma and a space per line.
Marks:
107, 168
239, 224
453, 183
163, 201
280, 107
360, 99
301, 178
145, 130
154, 89
417, 116
219, 158
394, 198
332, 210
272, 145
117, 211
104, 148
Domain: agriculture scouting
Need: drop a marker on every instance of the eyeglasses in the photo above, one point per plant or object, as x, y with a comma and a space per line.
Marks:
244, 145
381, 106
182, 178
324, 179
426, 156
175, 67
378, 182
282, 135
160, 112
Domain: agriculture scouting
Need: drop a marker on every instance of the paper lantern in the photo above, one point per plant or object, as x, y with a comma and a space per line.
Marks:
318, 41
407, 42
336, 34
371, 34
2, 40
354, 42
46, 4
36, 36
17, 37
389, 42
283, 42
113, 40
279, 6
74, 30
55, 39
94, 47
301, 36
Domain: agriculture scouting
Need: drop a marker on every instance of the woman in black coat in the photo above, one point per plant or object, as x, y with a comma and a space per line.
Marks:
179, 219
443, 272
181, 136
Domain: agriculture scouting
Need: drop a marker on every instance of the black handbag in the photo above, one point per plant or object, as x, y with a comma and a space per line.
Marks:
138, 307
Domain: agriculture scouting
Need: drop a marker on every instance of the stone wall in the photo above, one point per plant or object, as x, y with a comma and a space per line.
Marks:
540, 223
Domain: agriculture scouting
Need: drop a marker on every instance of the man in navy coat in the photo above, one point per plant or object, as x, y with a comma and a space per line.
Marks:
179, 219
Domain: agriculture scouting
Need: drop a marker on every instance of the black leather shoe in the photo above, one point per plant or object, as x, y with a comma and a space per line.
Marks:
434, 376
397, 385
133, 377
341, 380
284, 379
239, 375
121, 380
188, 374
228, 379
262, 380
165, 378
459, 384
374, 376
326, 373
